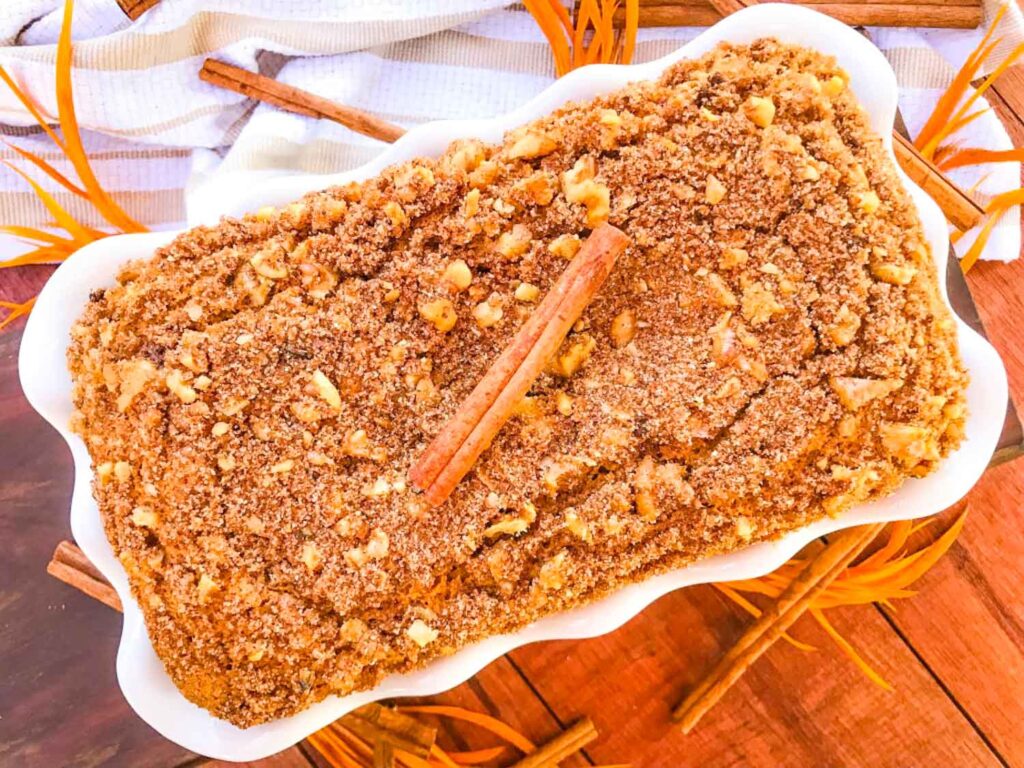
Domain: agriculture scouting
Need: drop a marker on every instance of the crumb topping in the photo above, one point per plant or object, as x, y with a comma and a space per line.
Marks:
770, 349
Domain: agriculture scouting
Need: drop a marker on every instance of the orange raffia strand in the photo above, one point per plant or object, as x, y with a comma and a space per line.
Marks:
632, 26
849, 650
999, 205
43, 255
550, 24
948, 101
65, 220
38, 235
881, 577
49, 170
584, 13
958, 120
958, 158
331, 746
30, 106
15, 310
606, 31
495, 726
103, 202
563, 16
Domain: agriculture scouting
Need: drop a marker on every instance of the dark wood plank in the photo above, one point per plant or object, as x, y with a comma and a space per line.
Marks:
61, 703
791, 708
289, 758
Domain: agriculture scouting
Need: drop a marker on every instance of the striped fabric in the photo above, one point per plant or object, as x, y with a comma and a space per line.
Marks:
156, 133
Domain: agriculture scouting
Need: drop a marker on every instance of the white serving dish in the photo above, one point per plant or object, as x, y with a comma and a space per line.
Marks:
47, 385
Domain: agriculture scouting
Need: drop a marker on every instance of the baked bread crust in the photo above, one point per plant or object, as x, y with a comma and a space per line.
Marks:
772, 348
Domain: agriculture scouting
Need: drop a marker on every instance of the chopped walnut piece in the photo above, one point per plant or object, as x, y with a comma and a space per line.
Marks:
894, 274
134, 376
714, 190
220, 429
377, 546
908, 442
759, 304
122, 471
565, 246
721, 291
317, 279
867, 201
552, 574
855, 393
515, 242
488, 313
732, 258
326, 390
458, 275
421, 633
527, 293
357, 444
845, 327
573, 358
724, 346
178, 387
531, 145
563, 403
643, 481
283, 467
311, 556
270, 262
144, 517
833, 86
623, 328
579, 186
206, 588
440, 313
760, 110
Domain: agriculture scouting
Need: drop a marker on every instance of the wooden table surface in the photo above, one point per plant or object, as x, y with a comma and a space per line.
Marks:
955, 652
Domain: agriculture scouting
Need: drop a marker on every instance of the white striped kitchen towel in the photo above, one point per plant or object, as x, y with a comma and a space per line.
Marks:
155, 132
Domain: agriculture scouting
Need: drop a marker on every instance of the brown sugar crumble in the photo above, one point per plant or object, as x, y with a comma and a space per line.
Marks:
770, 349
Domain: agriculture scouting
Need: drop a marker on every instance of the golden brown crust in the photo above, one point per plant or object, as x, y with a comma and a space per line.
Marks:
771, 349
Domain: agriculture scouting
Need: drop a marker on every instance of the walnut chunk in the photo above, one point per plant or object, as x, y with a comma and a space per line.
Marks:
573, 358
326, 390
269, 262
844, 329
579, 186
144, 517
732, 258
721, 291
176, 384
565, 246
206, 588
759, 304
526, 293
440, 313
868, 201
855, 393
833, 86
489, 312
623, 328
760, 110
515, 242
552, 574
531, 145
894, 274
311, 556
714, 190
909, 443
134, 376
421, 633
458, 275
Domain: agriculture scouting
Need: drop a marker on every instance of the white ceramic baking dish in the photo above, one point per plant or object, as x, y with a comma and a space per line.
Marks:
47, 385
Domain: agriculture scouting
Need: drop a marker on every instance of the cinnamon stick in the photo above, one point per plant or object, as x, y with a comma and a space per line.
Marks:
292, 99
687, 13
135, 8
70, 565
773, 623
451, 454
962, 211
565, 744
